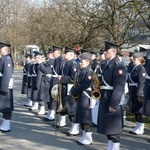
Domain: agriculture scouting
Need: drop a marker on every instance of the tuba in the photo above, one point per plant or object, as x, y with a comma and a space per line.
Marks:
96, 92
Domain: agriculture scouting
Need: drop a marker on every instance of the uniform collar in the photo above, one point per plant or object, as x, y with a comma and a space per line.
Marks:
137, 67
111, 62
87, 68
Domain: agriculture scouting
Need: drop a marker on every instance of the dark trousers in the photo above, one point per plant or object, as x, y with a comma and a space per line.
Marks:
41, 103
7, 115
139, 118
86, 127
72, 119
115, 138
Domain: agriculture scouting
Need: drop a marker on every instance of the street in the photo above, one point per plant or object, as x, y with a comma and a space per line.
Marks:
30, 131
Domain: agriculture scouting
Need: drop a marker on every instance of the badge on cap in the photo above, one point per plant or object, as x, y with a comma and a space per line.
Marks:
89, 77
9, 65
120, 72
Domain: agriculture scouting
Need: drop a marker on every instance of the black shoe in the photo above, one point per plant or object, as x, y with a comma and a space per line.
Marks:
68, 134
30, 109
83, 144
131, 132
26, 105
3, 131
77, 142
58, 126
94, 125
46, 119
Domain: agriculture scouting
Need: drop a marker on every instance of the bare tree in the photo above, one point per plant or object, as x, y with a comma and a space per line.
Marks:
143, 9
71, 22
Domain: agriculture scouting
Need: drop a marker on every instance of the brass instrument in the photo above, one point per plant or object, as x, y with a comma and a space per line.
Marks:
96, 93
59, 98
56, 95
75, 83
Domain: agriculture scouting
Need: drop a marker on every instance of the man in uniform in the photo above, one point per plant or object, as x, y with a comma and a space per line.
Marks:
6, 86
36, 80
110, 115
29, 80
94, 60
146, 102
130, 65
59, 63
82, 93
70, 70
44, 93
24, 81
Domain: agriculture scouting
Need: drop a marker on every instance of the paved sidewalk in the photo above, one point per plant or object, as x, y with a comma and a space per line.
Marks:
30, 131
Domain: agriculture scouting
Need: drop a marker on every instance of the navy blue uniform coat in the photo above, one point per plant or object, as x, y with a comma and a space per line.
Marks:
70, 69
146, 102
114, 75
6, 69
36, 83
58, 67
44, 93
83, 112
137, 76
24, 80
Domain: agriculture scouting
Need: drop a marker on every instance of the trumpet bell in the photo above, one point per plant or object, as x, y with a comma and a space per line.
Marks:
54, 92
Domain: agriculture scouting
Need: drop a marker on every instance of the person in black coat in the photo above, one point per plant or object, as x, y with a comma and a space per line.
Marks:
136, 91
94, 60
71, 68
36, 80
130, 65
99, 73
113, 79
146, 101
44, 93
83, 93
6, 86
57, 69
25, 78
29, 82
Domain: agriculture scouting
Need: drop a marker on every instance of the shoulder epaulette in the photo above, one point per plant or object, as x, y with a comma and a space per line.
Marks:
74, 62
90, 69
117, 62
8, 57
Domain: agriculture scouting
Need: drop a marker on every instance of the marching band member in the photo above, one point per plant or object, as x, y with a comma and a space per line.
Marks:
59, 63
6, 89
29, 81
130, 65
99, 74
70, 69
36, 80
94, 59
24, 81
81, 91
146, 101
110, 115
44, 93
136, 91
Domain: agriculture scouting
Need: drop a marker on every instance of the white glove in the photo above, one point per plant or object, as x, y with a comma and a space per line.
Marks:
92, 103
